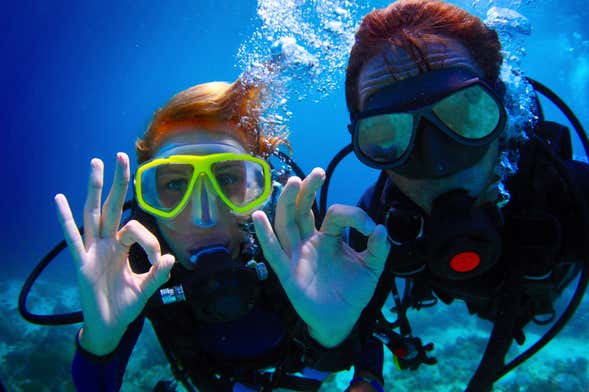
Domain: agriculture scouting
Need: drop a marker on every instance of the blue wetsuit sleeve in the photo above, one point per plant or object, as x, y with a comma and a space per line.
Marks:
95, 373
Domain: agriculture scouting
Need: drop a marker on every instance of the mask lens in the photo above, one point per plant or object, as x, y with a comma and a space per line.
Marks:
386, 137
164, 187
471, 113
242, 182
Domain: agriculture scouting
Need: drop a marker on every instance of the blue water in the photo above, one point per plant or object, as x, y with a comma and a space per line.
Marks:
81, 79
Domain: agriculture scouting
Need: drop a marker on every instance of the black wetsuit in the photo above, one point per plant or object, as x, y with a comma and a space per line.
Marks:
264, 348
545, 227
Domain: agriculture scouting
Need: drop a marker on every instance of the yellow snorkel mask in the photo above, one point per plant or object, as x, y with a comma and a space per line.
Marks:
165, 185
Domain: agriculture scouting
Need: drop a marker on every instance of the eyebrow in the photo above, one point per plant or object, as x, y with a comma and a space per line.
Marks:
229, 164
174, 170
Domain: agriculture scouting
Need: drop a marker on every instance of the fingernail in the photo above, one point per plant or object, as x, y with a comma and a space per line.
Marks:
95, 163
319, 172
121, 156
382, 229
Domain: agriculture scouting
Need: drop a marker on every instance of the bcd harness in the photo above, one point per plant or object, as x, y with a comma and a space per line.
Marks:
521, 286
217, 355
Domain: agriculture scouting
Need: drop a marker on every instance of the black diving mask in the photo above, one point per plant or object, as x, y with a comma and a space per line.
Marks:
430, 126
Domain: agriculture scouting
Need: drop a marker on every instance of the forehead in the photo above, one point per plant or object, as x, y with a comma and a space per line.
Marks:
390, 66
199, 142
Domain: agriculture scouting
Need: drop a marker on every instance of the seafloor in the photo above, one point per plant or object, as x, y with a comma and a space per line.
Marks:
34, 358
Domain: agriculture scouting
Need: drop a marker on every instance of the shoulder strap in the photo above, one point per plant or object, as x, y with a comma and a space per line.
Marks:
557, 136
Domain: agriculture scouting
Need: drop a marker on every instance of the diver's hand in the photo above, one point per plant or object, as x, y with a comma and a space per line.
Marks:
112, 296
328, 282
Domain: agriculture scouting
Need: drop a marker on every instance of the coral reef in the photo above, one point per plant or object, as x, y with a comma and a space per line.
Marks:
34, 358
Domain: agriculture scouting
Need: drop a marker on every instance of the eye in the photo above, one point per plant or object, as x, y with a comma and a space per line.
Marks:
473, 94
226, 179
178, 185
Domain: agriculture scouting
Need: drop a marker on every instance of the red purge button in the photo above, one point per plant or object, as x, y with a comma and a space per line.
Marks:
400, 352
465, 261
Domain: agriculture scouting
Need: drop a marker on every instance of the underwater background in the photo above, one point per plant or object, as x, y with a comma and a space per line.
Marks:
81, 79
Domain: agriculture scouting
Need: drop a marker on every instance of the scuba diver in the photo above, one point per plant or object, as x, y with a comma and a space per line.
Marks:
429, 110
238, 303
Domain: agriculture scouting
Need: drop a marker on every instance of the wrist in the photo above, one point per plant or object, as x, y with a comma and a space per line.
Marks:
98, 345
330, 339
314, 354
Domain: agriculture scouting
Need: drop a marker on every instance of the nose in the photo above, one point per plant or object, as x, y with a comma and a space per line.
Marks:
440, 155
203, 203
431, 149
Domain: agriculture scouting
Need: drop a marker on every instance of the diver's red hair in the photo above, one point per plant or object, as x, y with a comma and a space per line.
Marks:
210, 106
412, 25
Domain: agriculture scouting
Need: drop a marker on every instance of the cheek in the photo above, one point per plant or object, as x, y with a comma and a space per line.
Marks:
179, 233
171, 237
177, 224
226, 223
185, 221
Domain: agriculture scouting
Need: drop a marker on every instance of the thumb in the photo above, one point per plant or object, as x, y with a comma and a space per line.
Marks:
158, 274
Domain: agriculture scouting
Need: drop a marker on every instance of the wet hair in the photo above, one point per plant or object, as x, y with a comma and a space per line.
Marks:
210, 106
412, 25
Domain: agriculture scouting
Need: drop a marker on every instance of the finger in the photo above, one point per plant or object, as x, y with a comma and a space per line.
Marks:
287, 230
270, 244
113, 206
377, 250
339, 217
304, 213
70, 229
134, 232
92, 205
158, 274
